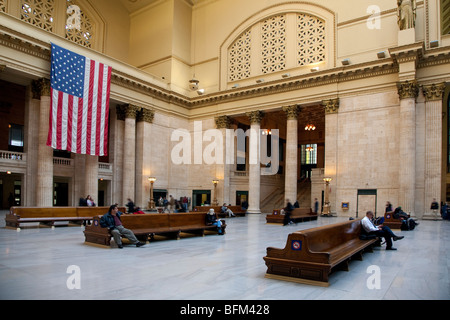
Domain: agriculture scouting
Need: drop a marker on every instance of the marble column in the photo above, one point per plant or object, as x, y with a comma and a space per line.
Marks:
254, 180
91, 176
331, 150
223, 170
129, 153
144, 122
291, 158
407, 91
44, 174
433, 146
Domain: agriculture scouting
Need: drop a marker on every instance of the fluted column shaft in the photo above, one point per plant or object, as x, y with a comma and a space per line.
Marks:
291, 159
44, 175
407, 91
433, 143
129, 153
254, 182
144, 122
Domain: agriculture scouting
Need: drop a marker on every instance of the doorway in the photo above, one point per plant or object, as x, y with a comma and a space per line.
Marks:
241, 197
201, 197
366, 200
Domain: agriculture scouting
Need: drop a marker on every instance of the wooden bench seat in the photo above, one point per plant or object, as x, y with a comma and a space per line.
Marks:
146, 226
237, 210
311, 255
297, 215
50, 215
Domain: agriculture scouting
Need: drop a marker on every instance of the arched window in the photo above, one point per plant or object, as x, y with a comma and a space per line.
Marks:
272, 45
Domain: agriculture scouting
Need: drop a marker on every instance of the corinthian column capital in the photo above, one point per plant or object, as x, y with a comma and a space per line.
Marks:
407, 89
222, 122
331, 106
255, 116
433, 92
292, 111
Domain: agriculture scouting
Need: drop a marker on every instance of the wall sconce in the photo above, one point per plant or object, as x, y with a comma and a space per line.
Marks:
259, 80
314, 69
235, 86
345, 62
200, 92
285, 75
381, 54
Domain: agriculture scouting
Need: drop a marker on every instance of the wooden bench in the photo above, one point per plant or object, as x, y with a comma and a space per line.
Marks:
49, 215
146, 226
297, 215
237, 210
310, 255
391, 222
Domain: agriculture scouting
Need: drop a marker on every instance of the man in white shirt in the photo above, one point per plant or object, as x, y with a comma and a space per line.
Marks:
379, 231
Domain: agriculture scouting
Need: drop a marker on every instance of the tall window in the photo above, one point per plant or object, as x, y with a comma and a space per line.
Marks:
15, 142
309, 154
445, 16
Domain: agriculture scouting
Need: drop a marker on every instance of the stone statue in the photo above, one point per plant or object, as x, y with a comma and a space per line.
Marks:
406, 14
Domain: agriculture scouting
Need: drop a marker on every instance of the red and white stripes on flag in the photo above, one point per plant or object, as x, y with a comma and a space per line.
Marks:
80, 89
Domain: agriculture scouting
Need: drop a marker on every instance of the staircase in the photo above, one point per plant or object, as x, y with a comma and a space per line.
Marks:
275, 199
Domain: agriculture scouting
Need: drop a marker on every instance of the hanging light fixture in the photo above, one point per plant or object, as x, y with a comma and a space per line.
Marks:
310, 127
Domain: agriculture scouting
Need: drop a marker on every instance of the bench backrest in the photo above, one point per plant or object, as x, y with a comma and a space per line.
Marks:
145, 221
301, 244
302, 211
39, 212
59, 212
389, 216
206, 208
94, 211
325, 237
187, 219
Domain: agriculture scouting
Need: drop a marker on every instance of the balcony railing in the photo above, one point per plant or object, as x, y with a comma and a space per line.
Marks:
12, 155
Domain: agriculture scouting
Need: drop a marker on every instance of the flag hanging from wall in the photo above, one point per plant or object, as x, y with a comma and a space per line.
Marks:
79, 105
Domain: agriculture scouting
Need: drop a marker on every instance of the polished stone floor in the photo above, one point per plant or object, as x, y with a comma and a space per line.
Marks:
35, 263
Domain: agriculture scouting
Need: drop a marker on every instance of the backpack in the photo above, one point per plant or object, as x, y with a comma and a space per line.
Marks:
408, 224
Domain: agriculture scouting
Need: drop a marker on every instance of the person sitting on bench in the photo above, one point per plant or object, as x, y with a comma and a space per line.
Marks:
379, 231
211, 220
111, 220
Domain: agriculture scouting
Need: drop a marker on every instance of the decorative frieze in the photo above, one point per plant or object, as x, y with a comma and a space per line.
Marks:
292, 111
407, 89
331, 106
433, 91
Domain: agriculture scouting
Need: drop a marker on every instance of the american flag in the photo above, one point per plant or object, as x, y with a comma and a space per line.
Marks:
79, 96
